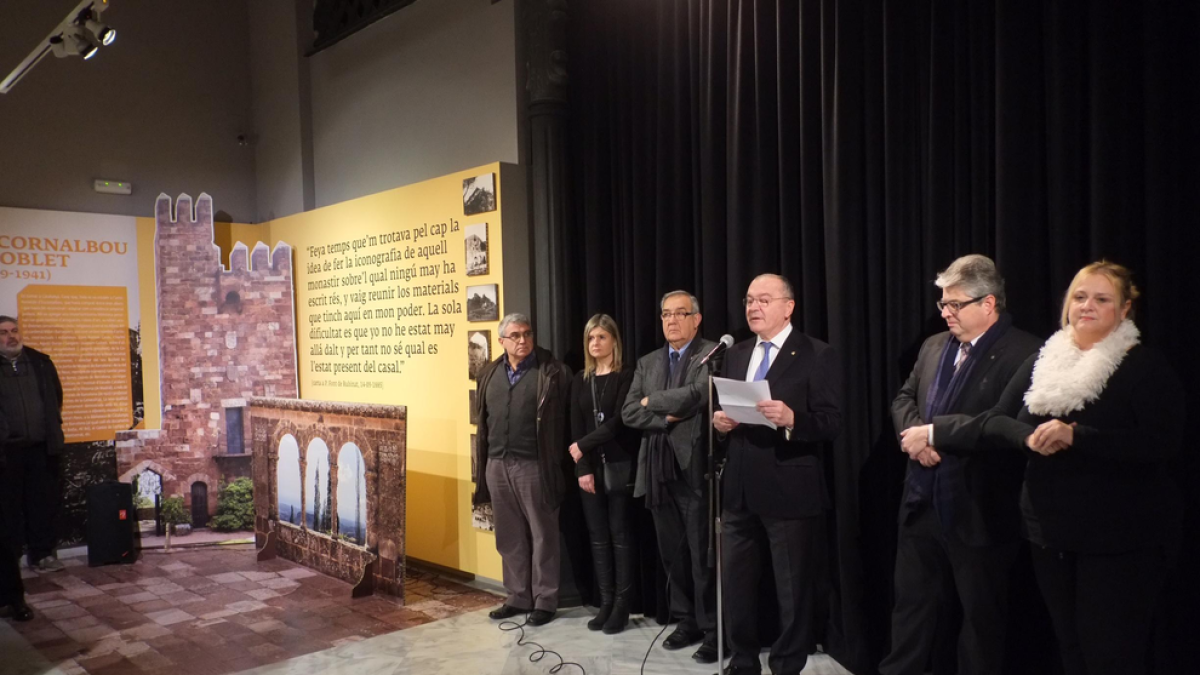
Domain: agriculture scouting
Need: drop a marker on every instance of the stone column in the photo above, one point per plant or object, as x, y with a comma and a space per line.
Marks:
544, 23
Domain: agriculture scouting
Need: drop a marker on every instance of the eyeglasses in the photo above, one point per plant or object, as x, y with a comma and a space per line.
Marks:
677, 314
517, 337
761, 302
956, 305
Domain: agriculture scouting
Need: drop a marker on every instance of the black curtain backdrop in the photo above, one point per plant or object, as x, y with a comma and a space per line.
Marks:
858, 148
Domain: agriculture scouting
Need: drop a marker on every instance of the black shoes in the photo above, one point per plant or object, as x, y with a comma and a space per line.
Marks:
540, 617
505, 612
17, 611
742, 670
707, 653
682, 637
617, 620
601, 617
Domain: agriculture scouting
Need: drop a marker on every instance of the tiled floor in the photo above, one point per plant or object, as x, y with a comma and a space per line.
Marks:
213, 611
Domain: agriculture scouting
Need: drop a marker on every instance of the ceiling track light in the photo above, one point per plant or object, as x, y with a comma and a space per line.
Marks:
100, 31
74, 42
80, 34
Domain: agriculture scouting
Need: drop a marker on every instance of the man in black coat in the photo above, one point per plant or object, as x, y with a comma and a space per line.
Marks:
31, 399
522, 402
668, 402
959, 518
12, 590
774, 487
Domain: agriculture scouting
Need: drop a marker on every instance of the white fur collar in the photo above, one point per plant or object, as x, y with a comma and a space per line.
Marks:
1066, 378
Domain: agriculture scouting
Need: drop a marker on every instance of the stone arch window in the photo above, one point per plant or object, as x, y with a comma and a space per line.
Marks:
352, 494
287, 480
232, 304
149, 486
318, 484
199, 495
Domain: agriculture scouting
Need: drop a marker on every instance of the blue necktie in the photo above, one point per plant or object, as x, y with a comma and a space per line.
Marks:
761, 373
674, 362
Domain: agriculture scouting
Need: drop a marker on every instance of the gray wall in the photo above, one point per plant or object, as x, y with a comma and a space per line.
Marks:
427, 91
282, 110
161, 107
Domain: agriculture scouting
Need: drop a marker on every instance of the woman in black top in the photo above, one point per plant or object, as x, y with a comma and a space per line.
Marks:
1099, 416
605, 454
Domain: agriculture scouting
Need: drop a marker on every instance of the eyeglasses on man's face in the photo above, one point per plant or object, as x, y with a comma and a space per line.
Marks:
516, 336
955, 306
761, 301
677, 314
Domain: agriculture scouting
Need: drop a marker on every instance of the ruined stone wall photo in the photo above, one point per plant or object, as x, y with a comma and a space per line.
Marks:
329, 481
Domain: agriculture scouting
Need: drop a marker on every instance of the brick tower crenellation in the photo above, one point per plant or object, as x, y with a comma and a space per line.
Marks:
225, 335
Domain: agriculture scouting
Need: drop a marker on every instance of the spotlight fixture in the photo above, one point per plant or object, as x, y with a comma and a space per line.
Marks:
74, 42
80, 34
102, 31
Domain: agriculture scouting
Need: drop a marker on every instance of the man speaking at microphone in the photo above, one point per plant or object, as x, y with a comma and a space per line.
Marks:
774, 487
668, 401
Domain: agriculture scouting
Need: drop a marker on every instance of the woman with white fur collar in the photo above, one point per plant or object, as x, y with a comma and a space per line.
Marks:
1099, 415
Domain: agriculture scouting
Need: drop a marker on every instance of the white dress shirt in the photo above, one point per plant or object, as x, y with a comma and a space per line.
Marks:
756, 356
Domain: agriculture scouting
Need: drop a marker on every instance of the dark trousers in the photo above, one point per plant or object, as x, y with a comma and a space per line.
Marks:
1102, 606
932, 570
11, 589
527, 536
792, 545
610, 530
29, 490
683, 533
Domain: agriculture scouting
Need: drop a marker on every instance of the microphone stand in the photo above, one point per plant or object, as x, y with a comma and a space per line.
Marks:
714, 517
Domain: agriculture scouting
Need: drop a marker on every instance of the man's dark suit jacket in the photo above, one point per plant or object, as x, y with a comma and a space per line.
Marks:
767, 473
988, 512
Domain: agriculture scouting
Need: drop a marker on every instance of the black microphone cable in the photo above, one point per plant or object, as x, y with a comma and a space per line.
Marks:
682, 548
665, 625
541, 652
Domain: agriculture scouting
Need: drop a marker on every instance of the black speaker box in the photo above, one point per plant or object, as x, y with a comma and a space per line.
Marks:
111, 524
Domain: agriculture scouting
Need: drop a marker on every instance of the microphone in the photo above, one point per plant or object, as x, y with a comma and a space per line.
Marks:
724, 343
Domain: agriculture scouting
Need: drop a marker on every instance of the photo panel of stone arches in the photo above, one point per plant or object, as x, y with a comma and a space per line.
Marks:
476, 244
483, 302
479, 344
479, 194
311, 501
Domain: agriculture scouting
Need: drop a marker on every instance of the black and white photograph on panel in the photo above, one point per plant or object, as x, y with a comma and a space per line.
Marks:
474, 410
478, 350
474, 462
479, 194
477, 249
482, 518
482, 303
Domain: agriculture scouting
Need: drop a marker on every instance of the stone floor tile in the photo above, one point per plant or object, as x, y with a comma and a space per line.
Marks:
182, 597
155, 605
227, 577
259, 576
298, 573
61, 612
169, 617
91, 634
246, 606
138, 597
49, 602
77, 622
146, 631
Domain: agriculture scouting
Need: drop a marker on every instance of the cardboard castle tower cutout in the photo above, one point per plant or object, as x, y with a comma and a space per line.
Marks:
224, 335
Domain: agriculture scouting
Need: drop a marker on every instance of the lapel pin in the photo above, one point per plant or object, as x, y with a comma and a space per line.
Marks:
793, 353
